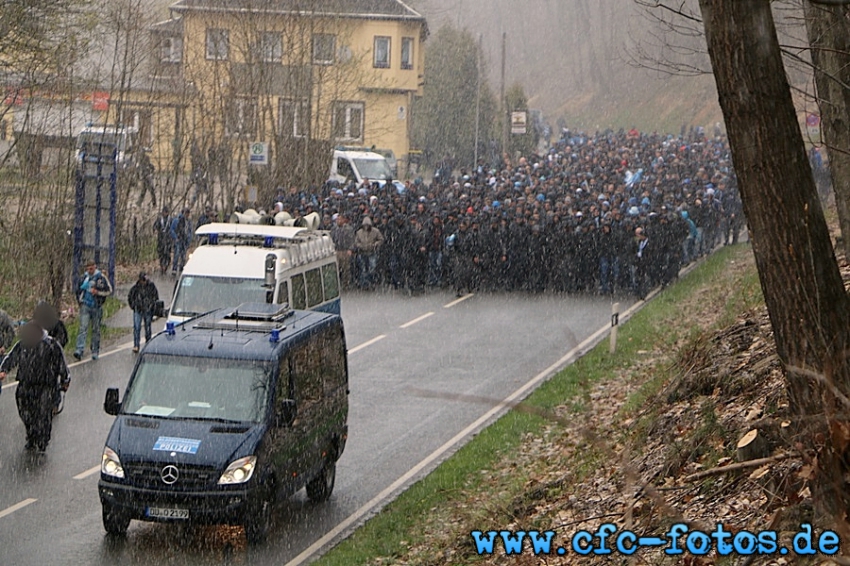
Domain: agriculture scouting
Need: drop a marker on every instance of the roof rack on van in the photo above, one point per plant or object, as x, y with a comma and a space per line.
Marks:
252, 317
299, 244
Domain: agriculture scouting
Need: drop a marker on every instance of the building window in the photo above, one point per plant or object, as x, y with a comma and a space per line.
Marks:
241, 120
324, 49
294, 118
407, 53
171, 50
348, 121
218, 44
270, 47
382, 52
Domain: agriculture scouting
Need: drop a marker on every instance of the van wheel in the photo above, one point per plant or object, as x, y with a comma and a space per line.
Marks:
258, 522
114, 522
322, 486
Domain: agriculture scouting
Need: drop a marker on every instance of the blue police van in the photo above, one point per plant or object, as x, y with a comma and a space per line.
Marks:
225, 414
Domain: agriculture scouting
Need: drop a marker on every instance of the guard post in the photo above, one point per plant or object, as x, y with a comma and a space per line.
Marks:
615, 322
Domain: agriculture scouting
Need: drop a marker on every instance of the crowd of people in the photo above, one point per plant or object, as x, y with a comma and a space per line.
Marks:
613, 212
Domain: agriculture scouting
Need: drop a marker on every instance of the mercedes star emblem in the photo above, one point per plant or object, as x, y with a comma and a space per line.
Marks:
169, 474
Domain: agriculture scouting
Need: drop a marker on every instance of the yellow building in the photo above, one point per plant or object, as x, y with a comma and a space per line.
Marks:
301, 75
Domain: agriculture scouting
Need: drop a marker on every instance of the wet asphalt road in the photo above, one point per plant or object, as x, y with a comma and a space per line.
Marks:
486, 345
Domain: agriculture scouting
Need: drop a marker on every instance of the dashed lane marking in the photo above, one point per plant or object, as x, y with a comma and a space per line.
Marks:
16, 507
459, 301
374, 340
416, 320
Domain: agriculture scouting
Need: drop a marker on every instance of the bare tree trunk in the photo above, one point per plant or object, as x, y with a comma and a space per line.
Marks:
799, 275
828, 29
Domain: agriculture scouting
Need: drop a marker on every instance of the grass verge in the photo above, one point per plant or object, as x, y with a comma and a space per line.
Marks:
727, 279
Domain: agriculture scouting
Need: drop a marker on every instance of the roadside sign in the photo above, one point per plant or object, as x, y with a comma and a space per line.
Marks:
813, 125
100, 101
519, 122
259, 154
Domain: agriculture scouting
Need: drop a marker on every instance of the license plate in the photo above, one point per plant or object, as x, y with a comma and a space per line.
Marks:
164, 513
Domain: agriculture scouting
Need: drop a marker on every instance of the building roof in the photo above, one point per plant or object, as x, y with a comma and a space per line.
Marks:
369, 9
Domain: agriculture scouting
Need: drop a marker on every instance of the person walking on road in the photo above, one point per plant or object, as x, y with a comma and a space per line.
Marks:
367, 240
94, 290
342, 235
41, 369
162, 229
142, 299
47, 317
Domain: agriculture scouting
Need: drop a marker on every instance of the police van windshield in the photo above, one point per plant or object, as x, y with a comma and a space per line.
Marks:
181, 387
198, 295
376, 169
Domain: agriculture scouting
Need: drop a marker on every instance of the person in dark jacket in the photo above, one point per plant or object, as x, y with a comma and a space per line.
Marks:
41, 368
46, 316
162, 229
142, 299
7, 332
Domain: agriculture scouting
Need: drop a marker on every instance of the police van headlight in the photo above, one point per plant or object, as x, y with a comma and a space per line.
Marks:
110, 465
239, 471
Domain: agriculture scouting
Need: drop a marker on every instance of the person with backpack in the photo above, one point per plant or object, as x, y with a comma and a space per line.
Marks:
41, 369
94, 289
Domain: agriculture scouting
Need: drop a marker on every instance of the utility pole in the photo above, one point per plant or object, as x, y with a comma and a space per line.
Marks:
505, 117
478, 102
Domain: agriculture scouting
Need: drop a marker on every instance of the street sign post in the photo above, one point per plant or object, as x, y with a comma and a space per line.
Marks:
519, 123
813, 125
259, 154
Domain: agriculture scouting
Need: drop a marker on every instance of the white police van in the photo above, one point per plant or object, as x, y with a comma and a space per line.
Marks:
248, 263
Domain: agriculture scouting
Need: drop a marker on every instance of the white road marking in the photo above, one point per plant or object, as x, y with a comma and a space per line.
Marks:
459, 301
416, 320
374, 340
502, 407
16, 507
88, 473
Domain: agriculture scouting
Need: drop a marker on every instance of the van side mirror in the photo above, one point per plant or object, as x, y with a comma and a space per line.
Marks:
111, 405
286, 413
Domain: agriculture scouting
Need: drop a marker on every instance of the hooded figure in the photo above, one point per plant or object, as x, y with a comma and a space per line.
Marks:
367, 240
46, 316
41, 368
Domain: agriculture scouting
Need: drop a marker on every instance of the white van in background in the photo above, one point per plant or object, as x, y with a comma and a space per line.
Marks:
357, 165
125, 141
252, 263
